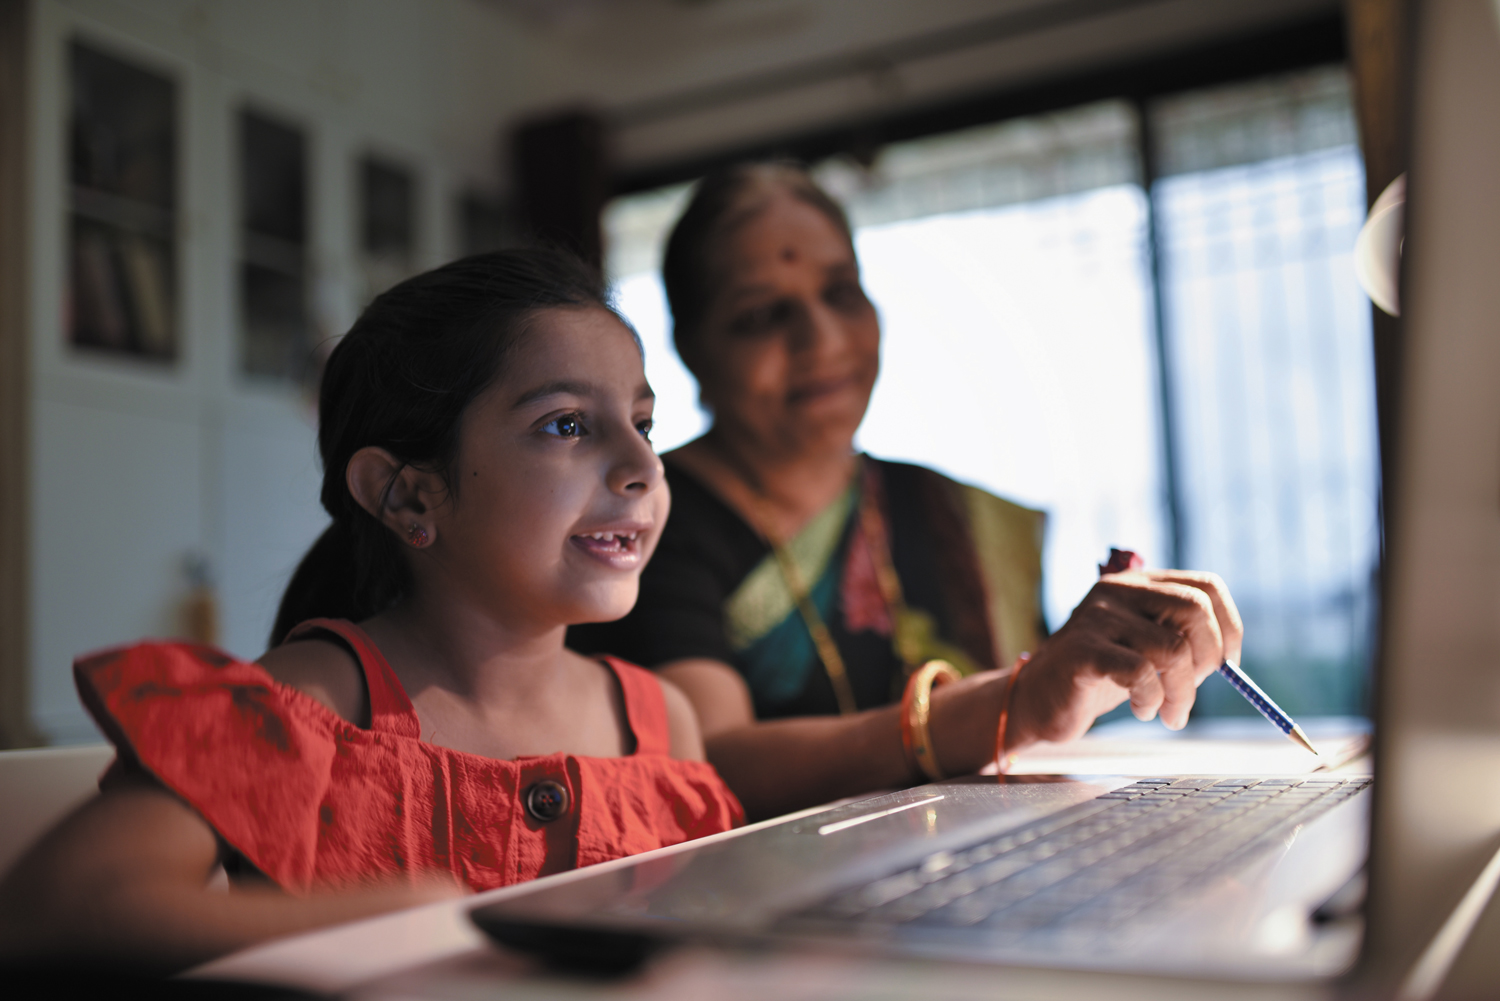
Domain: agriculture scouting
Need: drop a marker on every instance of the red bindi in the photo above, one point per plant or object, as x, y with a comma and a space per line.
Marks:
788, 253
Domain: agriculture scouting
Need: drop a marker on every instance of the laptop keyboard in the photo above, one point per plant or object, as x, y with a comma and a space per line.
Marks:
1096, 864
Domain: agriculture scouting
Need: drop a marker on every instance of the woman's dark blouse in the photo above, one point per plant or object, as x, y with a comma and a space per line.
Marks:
707, 550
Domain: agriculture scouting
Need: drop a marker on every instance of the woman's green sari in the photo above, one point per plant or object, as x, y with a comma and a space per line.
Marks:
969, 566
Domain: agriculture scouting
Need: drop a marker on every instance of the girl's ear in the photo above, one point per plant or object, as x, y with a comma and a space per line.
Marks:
399, 496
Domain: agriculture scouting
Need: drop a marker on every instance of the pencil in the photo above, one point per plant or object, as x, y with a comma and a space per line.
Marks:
1263, 702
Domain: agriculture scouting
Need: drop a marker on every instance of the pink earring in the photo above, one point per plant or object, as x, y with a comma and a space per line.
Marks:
416, 535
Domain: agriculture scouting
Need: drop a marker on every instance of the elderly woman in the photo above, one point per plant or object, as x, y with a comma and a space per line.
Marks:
798, 586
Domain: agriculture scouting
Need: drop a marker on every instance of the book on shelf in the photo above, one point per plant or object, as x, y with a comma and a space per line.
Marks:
146, 278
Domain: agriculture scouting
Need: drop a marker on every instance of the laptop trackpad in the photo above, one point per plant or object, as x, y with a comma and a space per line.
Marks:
745, 882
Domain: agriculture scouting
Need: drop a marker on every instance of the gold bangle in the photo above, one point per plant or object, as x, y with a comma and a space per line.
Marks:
916, 712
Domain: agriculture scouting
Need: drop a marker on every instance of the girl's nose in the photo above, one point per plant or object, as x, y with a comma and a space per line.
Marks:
635, 467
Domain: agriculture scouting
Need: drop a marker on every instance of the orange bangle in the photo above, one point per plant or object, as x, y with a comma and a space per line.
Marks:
1001, 765
916, 711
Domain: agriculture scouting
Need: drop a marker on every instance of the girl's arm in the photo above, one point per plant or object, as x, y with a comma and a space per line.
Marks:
124, 879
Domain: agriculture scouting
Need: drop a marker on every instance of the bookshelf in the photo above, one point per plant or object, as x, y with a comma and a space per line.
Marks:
122, 218
275, 339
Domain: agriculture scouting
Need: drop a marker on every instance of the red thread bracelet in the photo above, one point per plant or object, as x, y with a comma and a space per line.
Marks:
1001, 765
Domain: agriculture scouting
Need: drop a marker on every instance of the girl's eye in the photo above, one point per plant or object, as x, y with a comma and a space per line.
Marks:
644, 427
566, 426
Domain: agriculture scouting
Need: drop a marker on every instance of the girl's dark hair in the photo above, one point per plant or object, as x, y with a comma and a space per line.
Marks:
401, 379
722, 201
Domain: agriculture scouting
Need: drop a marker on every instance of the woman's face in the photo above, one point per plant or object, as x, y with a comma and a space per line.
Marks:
790, 347
561, 498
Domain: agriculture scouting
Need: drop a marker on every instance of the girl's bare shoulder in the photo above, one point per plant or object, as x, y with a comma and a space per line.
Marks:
324, 671
682, 723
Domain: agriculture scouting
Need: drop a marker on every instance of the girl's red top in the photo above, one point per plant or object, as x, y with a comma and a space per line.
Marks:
312, 800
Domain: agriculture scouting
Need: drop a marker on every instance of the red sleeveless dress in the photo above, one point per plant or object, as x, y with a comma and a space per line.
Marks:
312, 800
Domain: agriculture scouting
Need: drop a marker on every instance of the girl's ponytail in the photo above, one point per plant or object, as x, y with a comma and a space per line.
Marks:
401, 380
323, 585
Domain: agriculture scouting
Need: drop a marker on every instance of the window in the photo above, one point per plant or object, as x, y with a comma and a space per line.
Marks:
1011, 269
122, 248
275, 335
1177, 363
635, 229
1259, 197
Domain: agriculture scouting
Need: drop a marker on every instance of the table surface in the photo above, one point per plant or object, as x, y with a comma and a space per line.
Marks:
436, 952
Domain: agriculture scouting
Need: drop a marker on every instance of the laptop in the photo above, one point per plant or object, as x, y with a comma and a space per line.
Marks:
1256, 877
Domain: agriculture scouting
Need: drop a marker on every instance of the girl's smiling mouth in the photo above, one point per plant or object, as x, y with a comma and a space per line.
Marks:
616, 547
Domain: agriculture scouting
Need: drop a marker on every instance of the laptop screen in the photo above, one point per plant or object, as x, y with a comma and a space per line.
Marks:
1438, 714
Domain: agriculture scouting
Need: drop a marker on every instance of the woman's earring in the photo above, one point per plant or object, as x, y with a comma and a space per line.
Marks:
416, 535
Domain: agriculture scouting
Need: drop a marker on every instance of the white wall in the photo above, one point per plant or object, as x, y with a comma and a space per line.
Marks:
136, 465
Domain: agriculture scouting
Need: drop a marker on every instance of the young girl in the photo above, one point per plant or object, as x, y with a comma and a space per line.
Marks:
418, 727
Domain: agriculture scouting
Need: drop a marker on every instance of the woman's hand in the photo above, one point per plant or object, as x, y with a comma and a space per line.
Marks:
1150, 636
